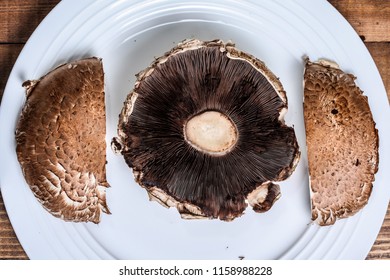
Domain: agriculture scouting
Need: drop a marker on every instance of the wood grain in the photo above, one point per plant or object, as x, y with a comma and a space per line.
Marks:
8, 55
380, 52
9, 245
370, 18
18, 19
381, 247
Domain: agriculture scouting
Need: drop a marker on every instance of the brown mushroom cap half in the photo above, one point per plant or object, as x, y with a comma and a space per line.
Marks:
342, 142
60, 140
208, 87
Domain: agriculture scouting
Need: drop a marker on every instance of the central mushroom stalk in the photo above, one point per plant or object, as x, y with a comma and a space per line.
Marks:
211, 132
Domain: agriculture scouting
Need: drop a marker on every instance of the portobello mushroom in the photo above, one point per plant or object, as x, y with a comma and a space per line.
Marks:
342, 142
60, 140
203, 131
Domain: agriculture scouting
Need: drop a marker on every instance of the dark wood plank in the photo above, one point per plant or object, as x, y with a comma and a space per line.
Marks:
19, 18
10, 247
8, 55
381, 248
370, 18
381, 55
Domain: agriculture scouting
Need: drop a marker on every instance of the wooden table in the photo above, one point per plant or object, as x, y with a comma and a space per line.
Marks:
19, 18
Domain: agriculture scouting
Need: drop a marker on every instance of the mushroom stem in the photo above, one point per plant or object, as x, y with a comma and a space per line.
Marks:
211, 132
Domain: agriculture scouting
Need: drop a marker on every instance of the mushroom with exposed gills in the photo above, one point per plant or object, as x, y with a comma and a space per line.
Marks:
203, 131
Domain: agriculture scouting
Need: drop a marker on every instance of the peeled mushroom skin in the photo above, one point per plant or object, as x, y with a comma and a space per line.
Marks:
195, 89
342, 142
60, 140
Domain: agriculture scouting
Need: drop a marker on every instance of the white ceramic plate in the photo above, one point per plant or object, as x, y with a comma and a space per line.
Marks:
128, 35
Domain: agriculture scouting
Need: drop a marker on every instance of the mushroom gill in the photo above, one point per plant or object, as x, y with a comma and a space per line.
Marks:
60, 140
203, 128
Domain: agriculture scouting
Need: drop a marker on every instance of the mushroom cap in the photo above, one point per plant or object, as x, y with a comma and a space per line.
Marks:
60, 140
342, 142
201, 80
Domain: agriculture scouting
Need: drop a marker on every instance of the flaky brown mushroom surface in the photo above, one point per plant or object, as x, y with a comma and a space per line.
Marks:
203, 131
60, 140
342, 142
